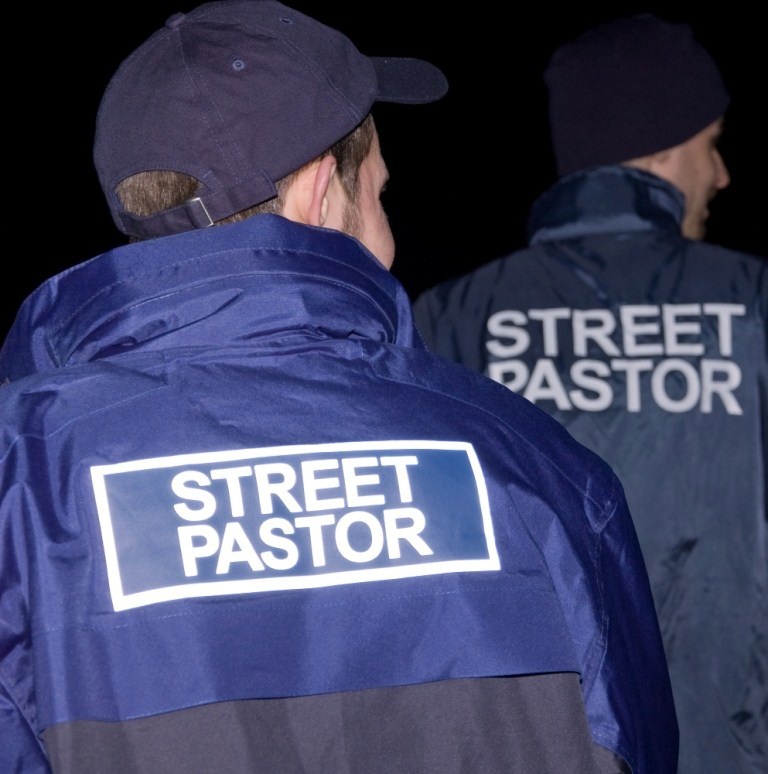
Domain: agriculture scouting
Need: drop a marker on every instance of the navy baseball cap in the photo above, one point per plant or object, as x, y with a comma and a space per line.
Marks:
238, 94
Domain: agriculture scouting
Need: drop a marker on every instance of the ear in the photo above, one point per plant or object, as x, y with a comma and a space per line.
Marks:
649, 163
657, 162
321, 191
308, 198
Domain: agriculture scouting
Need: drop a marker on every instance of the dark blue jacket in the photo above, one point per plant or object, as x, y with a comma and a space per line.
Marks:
651, 350
231, 471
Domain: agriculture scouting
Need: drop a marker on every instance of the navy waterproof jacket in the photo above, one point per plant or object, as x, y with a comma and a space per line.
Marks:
230, 471
651, 349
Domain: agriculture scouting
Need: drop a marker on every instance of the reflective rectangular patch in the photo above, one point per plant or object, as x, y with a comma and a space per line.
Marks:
291, 517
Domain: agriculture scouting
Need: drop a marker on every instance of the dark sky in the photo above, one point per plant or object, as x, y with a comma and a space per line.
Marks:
464, 171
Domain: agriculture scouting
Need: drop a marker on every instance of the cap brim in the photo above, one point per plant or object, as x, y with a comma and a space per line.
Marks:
408, 81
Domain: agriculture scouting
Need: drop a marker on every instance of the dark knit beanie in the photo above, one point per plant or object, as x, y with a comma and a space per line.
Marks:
629, 88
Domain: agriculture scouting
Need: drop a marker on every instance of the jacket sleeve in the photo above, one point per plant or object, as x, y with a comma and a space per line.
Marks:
20, 751
634, 664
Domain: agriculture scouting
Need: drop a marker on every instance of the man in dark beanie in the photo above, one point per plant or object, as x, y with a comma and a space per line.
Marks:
649, 345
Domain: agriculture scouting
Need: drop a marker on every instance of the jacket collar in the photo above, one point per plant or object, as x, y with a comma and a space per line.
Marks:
263, 278
604, 200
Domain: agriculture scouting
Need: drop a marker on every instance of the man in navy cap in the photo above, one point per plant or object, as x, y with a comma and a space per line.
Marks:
249, 523
649, 345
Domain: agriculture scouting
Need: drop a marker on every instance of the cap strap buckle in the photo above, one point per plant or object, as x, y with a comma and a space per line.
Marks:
194, 216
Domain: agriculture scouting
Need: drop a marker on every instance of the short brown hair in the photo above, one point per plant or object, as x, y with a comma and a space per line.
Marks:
146, 193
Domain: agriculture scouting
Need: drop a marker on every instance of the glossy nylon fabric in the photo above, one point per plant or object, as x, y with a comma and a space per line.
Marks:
262, 334
688, 442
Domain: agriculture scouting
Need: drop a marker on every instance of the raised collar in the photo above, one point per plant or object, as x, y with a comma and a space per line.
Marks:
265, 277
611, 199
